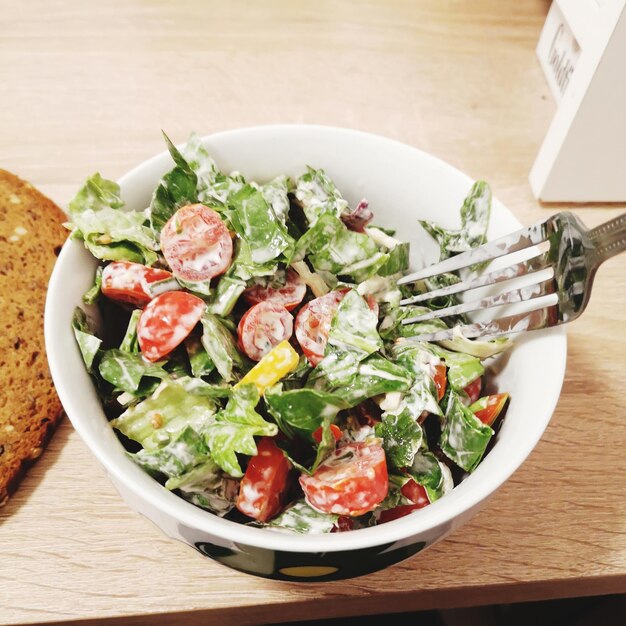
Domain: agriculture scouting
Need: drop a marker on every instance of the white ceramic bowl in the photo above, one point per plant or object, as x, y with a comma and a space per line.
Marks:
402, 184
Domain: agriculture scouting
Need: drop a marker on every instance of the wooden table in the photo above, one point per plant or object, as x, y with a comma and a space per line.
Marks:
87, 86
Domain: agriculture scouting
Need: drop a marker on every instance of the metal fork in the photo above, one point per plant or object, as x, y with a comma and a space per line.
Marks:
563, 276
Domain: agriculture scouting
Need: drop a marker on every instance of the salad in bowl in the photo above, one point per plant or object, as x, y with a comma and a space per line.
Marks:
245, 339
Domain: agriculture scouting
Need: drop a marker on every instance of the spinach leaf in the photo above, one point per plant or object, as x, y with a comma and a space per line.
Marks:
402, 437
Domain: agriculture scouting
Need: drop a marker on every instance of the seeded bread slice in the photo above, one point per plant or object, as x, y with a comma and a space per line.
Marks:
31, 236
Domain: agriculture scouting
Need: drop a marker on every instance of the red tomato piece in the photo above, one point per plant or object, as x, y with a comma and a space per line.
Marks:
334, 429
128, 282
196, 243
166, 321
495, 404
352, 481
265, 483
262, 327
415, 493
473, 389
441, 380
289, 295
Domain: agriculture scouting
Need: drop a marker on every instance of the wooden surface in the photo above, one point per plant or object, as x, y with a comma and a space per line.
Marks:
87, 86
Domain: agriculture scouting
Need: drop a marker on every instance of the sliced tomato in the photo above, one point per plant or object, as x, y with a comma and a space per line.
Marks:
289, 295
128, 282
313, 324
334, 429
196, 243
441, 380
166, 321
488, 408
415, 493
352, 481
264, 485
263, 327
473, 389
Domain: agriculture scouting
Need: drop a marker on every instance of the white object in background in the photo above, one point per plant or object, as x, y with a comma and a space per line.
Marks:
582, 50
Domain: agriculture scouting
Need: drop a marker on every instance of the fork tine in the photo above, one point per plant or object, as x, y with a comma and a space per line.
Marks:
530, 320
544, 286
525, 268
518, 240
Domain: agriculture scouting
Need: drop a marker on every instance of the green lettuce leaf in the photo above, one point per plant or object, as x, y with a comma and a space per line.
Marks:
245, 268
206, 486
125, 371
107, 231
353, 328
301, 518
464, 438
174, 405
318, 195
177, 457
234, 429
258, 225
177, 188
392, 327
475, 214
302, 410
402, 437
433, 475
275, 194
87, 342
463, 369
225, 296
358, 381
200, 361
332, 247
398, 261
130, 343
220, 346
92, 295
476, 347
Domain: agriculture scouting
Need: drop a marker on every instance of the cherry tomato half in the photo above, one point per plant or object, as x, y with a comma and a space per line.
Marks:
166, 321
128, 282
352, 481
196, 243
262, 327
289, 295
265, 483
313, 323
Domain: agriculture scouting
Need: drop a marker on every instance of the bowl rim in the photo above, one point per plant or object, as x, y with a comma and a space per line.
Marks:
465, 497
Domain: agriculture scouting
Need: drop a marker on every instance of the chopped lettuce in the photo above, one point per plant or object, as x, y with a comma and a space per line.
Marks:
392, 327
302, 410
177, 188
220, 346
125, 371
402, 437
206, 486
476, 347
245, 268
464, 438
463, 369
93, 293
332, 247
433, 475
199, 360
109, 232
276, 195
318, 195
87, 342
177, 457
256, 223
225, 296
233, 429
157, 419
300, 517
130, 343
475, 214
353, 328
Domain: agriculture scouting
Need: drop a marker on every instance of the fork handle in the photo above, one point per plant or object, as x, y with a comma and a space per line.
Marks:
610, 237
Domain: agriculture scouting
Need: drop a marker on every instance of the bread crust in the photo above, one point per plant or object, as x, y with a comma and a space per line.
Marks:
31, 236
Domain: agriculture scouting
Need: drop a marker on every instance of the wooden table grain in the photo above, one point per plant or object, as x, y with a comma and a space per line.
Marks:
87, 85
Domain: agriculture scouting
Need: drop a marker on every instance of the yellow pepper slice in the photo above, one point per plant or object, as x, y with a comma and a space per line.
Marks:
276, 364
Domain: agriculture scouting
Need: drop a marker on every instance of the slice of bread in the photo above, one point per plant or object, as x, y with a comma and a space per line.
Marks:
31, 236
